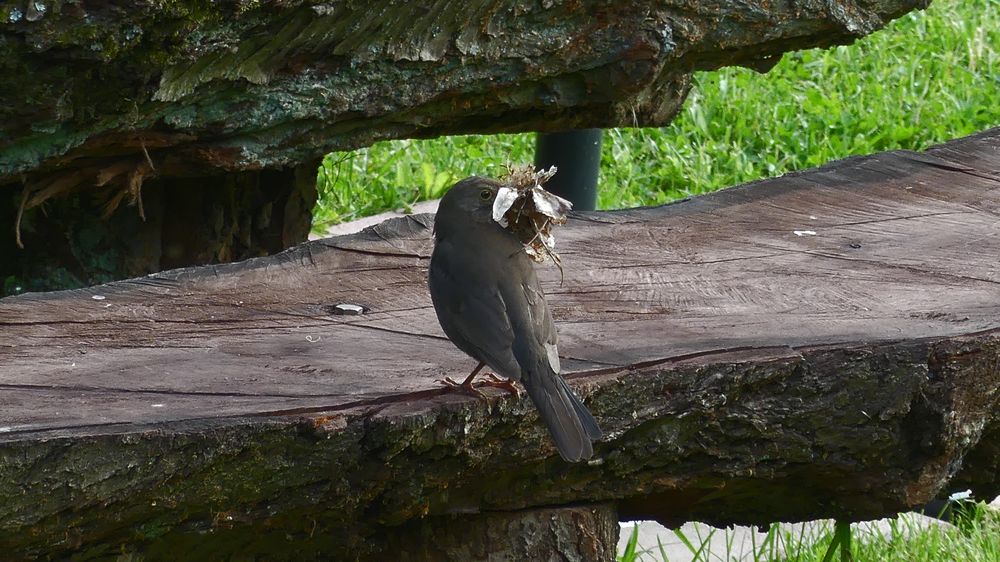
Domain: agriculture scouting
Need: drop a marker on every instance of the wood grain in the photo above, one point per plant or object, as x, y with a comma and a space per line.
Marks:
816, 345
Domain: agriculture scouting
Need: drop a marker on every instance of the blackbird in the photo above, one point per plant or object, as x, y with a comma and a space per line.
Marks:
491, 306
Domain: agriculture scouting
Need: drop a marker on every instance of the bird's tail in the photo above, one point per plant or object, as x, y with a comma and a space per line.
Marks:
571, 424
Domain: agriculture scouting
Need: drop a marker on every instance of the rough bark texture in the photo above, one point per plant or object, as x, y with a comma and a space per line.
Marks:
94, 236
744, 371
99, 99
245, 85
981, 470
564, 534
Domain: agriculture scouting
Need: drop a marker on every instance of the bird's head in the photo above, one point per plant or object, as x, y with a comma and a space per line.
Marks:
468, 202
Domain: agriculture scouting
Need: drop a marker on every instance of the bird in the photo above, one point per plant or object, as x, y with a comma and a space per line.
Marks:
491, 306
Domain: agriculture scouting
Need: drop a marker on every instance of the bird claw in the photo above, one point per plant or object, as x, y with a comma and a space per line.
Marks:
465, 387
500, 382
487, 379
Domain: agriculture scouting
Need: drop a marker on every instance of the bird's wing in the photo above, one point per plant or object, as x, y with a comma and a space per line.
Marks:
535, 348
541, 325
475, 320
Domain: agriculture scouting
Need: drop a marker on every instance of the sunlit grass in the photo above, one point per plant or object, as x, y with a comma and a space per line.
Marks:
975, 537
927, 78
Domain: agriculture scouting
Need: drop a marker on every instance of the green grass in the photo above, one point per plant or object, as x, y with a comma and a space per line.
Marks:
974, 538
927, 78
396, 174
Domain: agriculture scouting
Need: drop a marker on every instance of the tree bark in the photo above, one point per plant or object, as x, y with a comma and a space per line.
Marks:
571, 534
109, 100
97, 236
241, 85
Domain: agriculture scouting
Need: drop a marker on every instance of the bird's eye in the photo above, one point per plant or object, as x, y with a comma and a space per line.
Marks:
486, 195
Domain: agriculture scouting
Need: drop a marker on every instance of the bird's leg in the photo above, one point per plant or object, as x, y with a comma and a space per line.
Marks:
466, 385
500, 382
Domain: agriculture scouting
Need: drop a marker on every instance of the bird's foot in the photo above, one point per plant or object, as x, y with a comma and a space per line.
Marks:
465, 387
500, 382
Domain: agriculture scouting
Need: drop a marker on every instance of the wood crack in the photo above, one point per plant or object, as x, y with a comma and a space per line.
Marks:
159, 392
887, 265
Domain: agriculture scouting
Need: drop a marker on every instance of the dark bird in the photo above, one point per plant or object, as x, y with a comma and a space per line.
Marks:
491, 306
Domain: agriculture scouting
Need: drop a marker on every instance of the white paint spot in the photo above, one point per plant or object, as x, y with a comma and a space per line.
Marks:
98, 297
959, 496
348, 309
804, 232
157, 405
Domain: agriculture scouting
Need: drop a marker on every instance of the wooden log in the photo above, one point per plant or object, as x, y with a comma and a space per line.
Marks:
90, 237
981, 467
824, 344
247, 85
573, 534
108, 100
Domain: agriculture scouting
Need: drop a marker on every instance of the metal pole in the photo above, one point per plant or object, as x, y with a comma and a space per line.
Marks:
577, 155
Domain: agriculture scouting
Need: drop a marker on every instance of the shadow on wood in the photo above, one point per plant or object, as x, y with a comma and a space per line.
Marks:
100, 103
823, 344
199, 88
94, 236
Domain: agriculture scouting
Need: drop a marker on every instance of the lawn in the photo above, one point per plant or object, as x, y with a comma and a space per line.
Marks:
928, 77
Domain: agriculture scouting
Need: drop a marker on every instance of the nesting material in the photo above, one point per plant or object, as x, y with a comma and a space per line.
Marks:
523, 207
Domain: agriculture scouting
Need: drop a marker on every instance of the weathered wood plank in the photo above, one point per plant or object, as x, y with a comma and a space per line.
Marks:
743, 369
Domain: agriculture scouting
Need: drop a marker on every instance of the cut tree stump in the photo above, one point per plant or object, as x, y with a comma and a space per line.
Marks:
103, 100
820, 345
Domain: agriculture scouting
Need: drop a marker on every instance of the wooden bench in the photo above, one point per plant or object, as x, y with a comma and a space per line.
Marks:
823, 344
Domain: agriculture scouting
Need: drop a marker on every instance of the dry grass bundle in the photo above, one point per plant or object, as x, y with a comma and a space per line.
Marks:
526, 209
